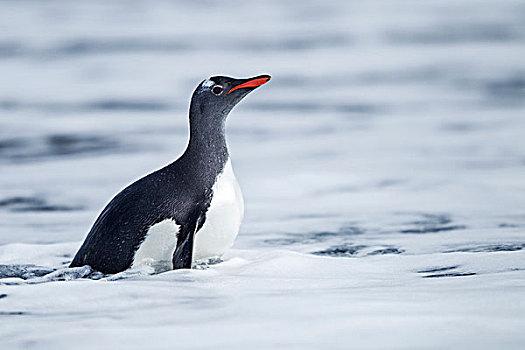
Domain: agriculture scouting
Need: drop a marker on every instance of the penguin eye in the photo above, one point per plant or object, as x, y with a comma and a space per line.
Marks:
217, 90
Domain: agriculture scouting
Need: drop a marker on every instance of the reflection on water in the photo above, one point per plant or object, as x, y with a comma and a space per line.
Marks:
50, 146
21, 204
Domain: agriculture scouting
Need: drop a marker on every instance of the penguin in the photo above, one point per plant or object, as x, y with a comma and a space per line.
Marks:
188, 210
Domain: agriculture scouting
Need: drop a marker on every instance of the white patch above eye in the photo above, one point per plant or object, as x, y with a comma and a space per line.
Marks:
206, 84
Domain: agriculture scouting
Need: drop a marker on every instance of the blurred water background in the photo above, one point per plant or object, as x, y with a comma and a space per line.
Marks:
383, 170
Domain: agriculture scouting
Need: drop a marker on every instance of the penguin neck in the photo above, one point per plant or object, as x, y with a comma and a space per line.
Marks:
207, 147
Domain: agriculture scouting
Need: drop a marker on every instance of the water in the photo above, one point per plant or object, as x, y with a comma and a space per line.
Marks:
383, 171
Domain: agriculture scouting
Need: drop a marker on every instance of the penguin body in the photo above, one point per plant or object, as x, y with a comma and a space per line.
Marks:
191, 209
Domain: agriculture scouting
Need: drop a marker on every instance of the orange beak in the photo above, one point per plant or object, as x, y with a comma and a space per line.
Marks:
251, 83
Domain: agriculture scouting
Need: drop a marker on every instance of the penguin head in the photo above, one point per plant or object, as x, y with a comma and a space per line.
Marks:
215, 97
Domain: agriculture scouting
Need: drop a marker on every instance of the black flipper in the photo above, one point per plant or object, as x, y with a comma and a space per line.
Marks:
183, 255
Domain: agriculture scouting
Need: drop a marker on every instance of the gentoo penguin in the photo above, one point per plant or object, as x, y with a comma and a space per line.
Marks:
191, 209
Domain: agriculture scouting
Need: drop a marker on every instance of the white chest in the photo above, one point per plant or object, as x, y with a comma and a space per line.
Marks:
223, 220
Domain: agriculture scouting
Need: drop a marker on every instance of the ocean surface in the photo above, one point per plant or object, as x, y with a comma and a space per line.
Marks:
383, 170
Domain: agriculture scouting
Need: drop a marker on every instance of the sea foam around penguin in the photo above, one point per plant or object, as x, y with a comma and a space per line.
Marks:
382, 168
